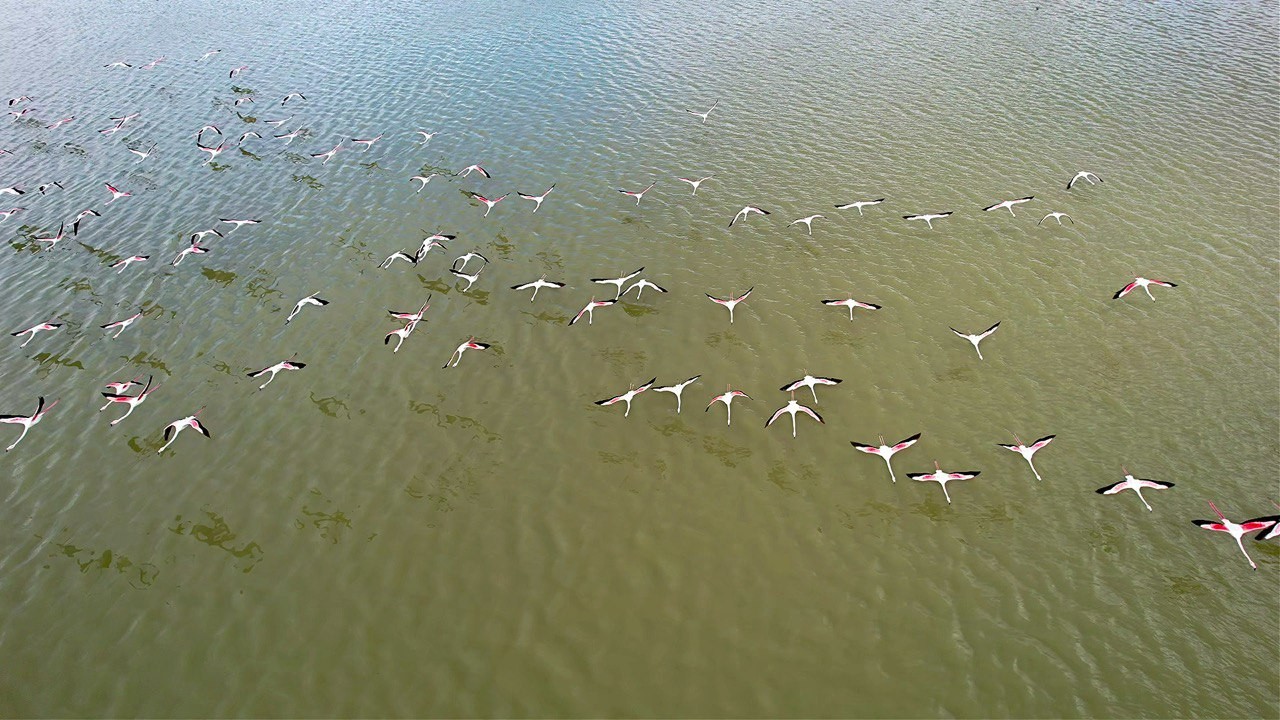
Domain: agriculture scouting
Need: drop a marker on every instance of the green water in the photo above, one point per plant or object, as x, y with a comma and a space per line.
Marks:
376, 536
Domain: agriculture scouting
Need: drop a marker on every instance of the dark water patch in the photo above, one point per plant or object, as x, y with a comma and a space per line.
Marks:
320, 514
147, 360
449, 420
140, 575
309, 181
48, 361
217, 534
221, 277
331, 406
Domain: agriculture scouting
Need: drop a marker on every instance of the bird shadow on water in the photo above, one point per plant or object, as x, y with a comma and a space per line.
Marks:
630, 362
331, 406
48, 361
727, 338
140, 575
448, 420
221, 277
79, 285
218, 534
547, 317
453, 485
148, 360
324, 517
308, 180
788, 476
639, 310
872, 510
437, 285
259, 286
960, 373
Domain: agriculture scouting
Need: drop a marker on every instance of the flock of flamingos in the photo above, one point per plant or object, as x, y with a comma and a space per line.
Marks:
212, 141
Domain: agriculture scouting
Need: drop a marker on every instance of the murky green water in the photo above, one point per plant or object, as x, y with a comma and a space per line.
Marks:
376, 536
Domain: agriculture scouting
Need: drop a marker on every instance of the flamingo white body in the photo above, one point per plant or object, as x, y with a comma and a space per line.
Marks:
748, 210
731, 303
859, 205
26, 421
886, 452
1008, 204
590, 309
727, 398
808, 222
404, 332
851, 304
132, 401
627, 396
639, 287
308, 300
1145, 284
1083, 175
239, 223
293, 95
122, 264
1135, 484
811, 382
471, 279
202, 234
273, 369
426, 136
488, 204
398, 255
618, 281
75, 224
791, 408
400, 334
213, 151
4, 214
976, 339
367, 143
53, 241
704, 115
120, 325
473, 168
1028, 451
35, 329
423, 179
537, 199
119, 388
328, 154
1056, 216
942, 478
695, 182
1236, 531
537, 285
677, 390
432, 241
470, 344
638, 195
142, 155
194, 249
172, 430
1273, 531
928, 219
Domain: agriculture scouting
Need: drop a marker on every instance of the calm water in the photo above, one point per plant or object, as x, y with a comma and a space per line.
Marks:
377, 536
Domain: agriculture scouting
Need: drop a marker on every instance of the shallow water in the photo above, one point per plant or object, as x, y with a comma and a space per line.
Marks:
376, 536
